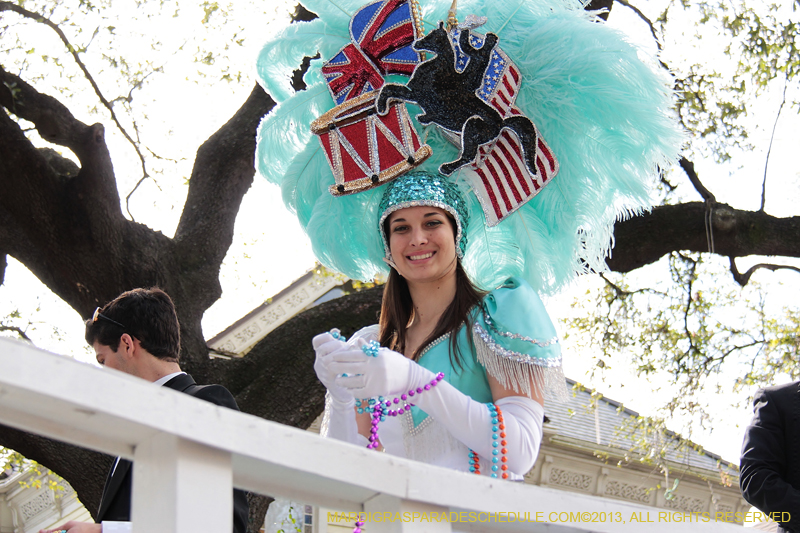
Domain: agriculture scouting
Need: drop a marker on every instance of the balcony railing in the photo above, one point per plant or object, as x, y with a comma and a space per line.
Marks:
188, 454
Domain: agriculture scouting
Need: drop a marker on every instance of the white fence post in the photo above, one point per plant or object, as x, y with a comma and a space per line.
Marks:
181, 486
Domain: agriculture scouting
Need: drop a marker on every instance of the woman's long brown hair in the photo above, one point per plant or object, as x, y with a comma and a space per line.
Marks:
397, 310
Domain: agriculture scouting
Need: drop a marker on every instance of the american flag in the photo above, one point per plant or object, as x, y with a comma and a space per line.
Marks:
502, 180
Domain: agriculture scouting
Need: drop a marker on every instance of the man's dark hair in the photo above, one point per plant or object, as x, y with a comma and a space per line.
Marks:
145, 314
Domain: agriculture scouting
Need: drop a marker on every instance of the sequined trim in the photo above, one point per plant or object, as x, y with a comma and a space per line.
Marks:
494, 328
518, 371
408, 417
411, 428
517, 356
433, 343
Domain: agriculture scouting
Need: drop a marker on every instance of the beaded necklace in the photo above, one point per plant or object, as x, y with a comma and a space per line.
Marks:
499, 449
381, 407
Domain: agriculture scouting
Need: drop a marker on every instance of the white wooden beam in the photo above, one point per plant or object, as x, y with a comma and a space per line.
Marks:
115, 413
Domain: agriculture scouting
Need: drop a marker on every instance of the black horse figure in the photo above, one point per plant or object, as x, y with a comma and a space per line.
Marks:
449, 98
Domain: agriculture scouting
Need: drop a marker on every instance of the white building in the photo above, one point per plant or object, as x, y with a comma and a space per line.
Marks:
29, 502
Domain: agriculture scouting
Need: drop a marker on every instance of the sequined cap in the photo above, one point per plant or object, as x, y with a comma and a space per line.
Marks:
420, 188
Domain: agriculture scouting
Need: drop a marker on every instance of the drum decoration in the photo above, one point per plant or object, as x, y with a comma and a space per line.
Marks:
365, 149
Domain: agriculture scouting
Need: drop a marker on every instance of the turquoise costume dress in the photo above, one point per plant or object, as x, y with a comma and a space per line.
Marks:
513, 340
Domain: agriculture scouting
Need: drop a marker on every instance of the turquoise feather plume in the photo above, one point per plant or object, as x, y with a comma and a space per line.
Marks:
605, 114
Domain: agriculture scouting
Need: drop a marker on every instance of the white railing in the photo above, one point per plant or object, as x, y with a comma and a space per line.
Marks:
188, 454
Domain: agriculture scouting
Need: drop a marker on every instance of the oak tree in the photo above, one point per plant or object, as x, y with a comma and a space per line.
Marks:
63, 217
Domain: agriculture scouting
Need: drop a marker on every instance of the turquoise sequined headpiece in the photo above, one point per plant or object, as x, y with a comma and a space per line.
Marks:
420, 188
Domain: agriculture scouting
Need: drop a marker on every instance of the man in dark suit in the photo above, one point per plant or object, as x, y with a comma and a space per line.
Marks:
138, 333
769, 470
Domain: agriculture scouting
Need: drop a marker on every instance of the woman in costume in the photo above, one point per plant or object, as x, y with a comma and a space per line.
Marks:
467, 369
584, 127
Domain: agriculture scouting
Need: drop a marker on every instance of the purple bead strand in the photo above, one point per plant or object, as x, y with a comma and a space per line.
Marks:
384, 408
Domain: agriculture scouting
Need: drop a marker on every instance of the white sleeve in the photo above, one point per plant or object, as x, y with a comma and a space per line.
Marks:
116, 527
469, 422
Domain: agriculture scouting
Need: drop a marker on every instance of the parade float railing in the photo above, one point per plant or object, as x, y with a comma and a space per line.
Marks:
188, 454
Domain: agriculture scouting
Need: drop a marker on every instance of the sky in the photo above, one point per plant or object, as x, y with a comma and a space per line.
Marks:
270, 249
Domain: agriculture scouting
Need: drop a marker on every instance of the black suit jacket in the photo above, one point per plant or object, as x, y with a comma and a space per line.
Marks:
770, 464
115, 504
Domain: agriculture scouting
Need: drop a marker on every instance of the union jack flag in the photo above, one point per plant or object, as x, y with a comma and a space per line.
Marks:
382, 35
504, 183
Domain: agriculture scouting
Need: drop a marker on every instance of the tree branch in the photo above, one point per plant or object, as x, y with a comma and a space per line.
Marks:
711, 202
65, 226
769, 150
645, 19
644, 239
58, 217
16, 330
222, 174
130, 194
621, 293
14, 242
29, 185
743, 279
8, 6
56, 124
688, 168
687, 308
70, 225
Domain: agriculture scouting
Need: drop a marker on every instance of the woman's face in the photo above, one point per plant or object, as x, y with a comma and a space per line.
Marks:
422, 242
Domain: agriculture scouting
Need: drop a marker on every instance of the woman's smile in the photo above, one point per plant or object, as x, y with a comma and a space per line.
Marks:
421, 256
422, 242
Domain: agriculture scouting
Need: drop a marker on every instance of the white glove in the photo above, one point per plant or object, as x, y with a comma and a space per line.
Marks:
339, 402
523, 418
469, 422
393, 374
325, 345
389, 374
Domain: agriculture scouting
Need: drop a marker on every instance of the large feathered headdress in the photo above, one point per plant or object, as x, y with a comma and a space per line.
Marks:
584, 126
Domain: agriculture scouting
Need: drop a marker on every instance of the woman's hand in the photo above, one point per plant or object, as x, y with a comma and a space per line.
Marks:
389, 374
325, 345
